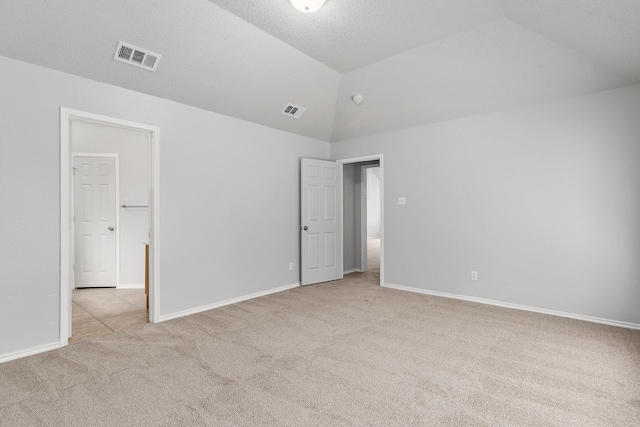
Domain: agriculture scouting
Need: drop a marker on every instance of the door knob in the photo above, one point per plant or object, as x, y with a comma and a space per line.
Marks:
110, 228
305, 228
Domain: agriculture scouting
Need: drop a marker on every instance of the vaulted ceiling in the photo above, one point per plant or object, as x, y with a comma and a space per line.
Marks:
414, 61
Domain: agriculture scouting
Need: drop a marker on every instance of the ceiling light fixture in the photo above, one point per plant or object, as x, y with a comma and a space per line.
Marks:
307, 6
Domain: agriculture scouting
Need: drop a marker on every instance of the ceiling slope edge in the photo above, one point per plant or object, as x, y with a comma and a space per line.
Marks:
495, 67
211, 59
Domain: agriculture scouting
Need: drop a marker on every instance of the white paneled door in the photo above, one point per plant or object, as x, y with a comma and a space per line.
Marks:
321, 215
95, 190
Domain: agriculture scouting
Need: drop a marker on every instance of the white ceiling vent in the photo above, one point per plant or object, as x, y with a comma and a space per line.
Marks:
135, 56
294, 111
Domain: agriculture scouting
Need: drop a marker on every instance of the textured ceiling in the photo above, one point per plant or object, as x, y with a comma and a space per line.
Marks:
211, 59
496, 66
349, 34
414, 61
607, 30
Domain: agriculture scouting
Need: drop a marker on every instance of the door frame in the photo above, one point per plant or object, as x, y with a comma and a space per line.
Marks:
364, 214
66, 116
72, 242
380, 158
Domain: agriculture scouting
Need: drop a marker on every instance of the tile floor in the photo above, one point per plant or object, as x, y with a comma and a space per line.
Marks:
100, 311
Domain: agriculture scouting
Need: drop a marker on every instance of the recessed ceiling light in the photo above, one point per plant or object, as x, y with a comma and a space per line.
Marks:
307, 6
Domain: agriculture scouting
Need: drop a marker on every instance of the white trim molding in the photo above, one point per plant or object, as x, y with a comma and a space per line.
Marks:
227, 302
130, 286
591, 319
30, 352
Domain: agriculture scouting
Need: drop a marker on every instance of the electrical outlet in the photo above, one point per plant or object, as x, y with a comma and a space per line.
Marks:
474, 275
290, 266
402, 200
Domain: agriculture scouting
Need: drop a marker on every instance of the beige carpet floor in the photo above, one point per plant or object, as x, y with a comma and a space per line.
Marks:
336, 354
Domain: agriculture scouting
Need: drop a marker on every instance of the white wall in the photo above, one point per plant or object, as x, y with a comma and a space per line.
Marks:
229, 199
543, 201
133, 149
373, 203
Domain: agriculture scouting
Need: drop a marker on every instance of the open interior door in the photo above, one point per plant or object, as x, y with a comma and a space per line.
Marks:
321, 217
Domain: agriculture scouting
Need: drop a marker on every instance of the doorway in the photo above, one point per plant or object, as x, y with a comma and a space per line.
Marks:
363, 216
126, 219
110, 227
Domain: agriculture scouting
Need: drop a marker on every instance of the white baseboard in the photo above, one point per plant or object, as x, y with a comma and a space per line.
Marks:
227, 302
30, 352
592, 319
353, 270
130, 286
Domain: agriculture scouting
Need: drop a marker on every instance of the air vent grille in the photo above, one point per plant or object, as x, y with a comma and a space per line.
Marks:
136, 56
294, 111
150, 61
125, 52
